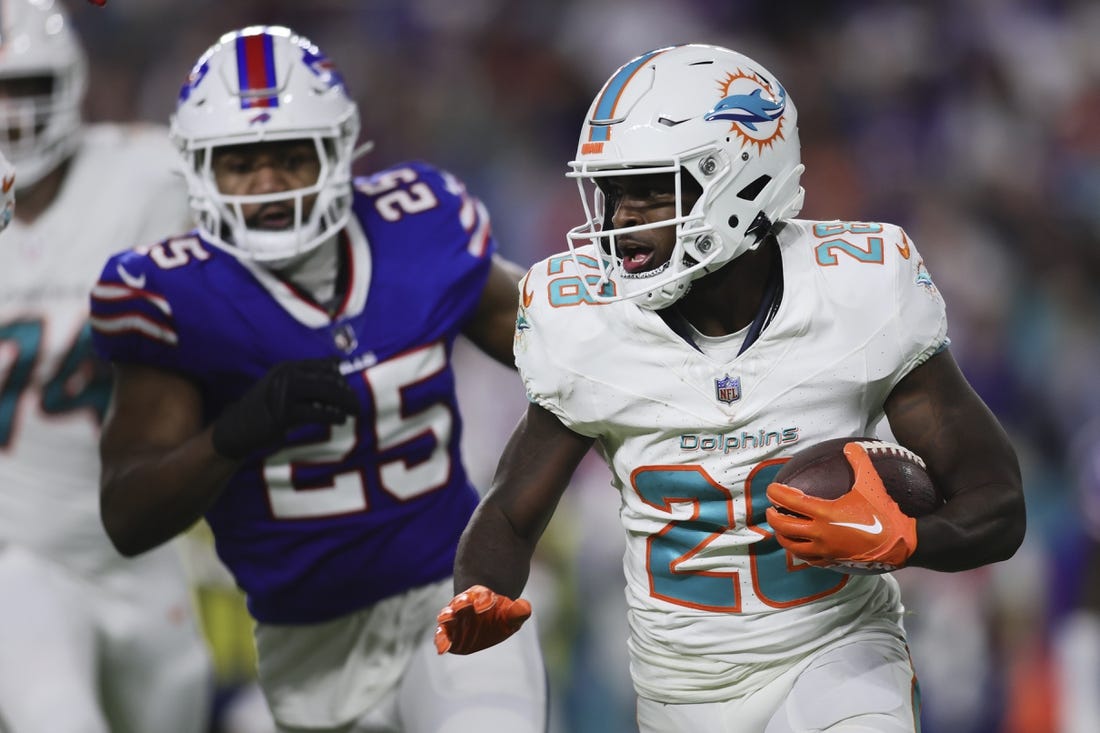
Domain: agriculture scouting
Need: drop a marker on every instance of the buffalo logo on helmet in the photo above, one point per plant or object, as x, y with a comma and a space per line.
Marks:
322, 67
194, 78
753, 106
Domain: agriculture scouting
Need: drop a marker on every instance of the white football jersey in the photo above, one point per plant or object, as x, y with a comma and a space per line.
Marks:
120, 191
692, 443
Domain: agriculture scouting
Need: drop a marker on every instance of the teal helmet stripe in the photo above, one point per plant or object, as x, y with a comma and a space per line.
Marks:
609, 97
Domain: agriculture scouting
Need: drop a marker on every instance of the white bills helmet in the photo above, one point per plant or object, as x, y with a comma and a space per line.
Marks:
694, 110
40, 129
266, 84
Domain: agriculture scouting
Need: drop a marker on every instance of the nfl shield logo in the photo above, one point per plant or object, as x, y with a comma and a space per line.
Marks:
343, 336
727, 390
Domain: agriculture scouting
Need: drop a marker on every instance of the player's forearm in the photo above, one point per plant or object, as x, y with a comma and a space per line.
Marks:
150, 497
978, 526
490, 553
534, 471
937, 414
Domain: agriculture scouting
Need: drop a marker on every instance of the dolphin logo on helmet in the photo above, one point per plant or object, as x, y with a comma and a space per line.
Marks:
749, 109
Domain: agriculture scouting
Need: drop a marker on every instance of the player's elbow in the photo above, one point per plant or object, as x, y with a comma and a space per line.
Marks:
121, 525
1007, 526
127, 548
122, 537
1012, 511
1013, 528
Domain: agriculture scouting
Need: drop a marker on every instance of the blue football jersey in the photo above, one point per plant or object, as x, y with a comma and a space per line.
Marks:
340, 517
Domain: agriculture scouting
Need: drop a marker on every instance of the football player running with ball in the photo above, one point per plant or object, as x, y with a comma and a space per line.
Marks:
285, 370
698, 335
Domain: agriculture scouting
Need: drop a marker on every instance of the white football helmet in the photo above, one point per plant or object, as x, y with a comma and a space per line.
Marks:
38, 132
702, 111
266, 84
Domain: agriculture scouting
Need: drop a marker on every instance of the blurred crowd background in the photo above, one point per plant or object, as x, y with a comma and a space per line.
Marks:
973, 123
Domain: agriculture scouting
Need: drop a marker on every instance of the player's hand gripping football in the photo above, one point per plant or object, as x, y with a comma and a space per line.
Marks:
292, 393
478, 618
862, 530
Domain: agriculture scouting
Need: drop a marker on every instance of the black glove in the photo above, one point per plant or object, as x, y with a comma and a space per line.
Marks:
291, 394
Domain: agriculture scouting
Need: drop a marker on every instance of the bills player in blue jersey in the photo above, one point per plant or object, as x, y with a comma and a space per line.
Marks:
699, 334
282, 371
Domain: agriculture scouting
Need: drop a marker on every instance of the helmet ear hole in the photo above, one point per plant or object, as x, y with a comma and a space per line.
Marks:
751, 191
733, 222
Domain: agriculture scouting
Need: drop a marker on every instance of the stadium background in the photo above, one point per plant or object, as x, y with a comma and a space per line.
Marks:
973, 123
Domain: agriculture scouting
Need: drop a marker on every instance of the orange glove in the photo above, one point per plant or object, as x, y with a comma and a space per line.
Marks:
478, 618
863, 530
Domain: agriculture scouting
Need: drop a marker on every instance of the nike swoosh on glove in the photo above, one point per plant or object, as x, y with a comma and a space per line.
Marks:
478, 618
864, 529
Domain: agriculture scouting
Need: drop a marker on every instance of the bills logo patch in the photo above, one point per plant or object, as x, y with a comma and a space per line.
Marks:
727, 390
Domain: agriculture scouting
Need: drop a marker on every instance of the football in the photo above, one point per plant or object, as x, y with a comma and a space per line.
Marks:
821, 470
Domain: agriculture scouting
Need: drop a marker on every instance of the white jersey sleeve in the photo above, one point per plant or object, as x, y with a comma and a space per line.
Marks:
551, 338
873, 281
